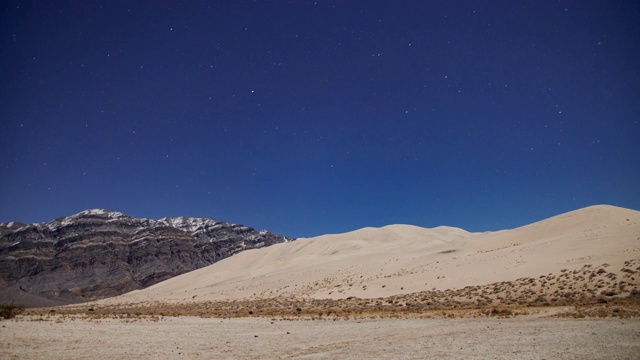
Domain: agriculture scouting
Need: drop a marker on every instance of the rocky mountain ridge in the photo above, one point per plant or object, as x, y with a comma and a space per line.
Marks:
98, 253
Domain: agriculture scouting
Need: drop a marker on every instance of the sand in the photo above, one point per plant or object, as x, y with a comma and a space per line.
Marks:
262, 338
404, 259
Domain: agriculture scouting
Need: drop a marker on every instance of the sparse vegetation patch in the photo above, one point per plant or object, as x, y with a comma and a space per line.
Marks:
10, 311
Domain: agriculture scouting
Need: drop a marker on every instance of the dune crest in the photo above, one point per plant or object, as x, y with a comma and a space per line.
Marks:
401, 259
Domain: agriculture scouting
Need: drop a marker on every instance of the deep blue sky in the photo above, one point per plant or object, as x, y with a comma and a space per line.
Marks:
308, 118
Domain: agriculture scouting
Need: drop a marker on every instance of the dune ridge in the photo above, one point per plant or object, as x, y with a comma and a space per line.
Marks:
398, 260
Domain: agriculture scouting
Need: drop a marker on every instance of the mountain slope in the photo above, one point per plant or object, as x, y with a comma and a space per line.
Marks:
402, 259
99, 253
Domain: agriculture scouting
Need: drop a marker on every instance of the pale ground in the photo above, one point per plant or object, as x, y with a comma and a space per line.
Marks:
529, 337
402, 259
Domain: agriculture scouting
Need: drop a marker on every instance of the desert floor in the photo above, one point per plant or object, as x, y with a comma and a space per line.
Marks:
521, 337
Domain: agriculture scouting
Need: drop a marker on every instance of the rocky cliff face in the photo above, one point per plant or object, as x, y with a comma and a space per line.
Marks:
97, 253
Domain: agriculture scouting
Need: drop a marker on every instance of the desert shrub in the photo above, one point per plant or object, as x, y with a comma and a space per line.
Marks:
501, 312
9, 311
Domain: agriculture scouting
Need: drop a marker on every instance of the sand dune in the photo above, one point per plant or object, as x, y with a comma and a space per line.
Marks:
401, 259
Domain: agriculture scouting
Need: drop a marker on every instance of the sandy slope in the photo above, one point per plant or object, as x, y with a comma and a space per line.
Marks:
399, 259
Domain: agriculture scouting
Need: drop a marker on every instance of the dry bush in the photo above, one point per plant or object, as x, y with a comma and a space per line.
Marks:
10, 311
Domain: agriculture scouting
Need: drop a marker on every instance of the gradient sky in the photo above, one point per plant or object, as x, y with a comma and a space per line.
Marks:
314, 117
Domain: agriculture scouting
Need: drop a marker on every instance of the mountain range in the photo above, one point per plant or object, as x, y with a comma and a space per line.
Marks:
98, 253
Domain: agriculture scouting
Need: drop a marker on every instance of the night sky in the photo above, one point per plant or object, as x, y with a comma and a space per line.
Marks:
308, 118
